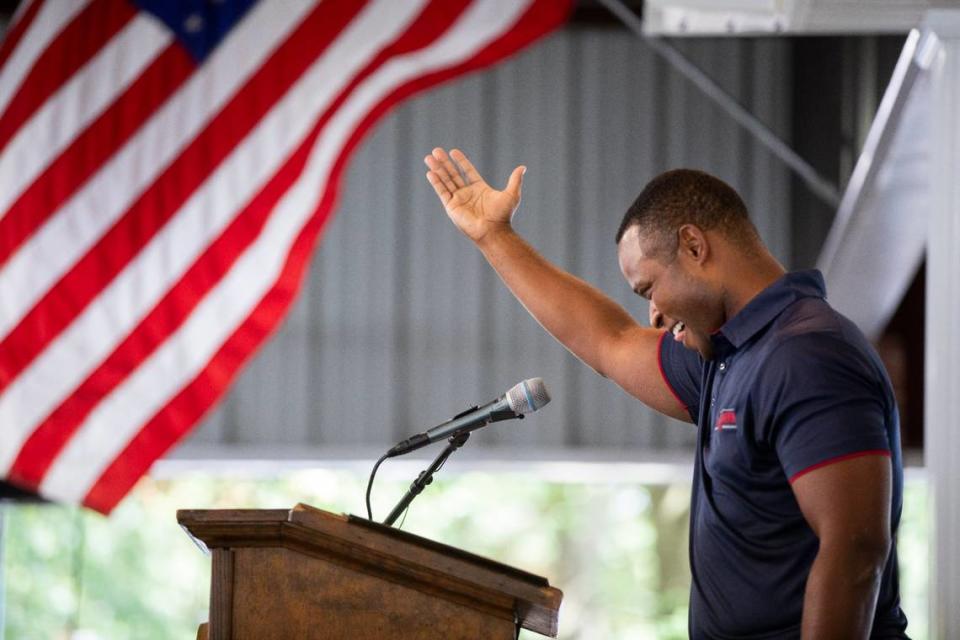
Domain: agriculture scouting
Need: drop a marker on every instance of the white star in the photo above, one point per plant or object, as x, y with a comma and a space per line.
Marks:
193, 23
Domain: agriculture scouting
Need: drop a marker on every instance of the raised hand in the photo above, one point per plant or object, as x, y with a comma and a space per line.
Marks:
473, 205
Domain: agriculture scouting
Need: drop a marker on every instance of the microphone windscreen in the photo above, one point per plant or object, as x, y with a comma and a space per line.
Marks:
528, 396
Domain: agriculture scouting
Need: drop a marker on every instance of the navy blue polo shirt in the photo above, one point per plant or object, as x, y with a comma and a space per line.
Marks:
793, 386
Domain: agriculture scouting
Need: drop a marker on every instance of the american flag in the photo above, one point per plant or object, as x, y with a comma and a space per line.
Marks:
165, 170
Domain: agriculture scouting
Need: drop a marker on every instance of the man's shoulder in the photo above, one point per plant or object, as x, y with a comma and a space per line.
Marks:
810, 335
810, 322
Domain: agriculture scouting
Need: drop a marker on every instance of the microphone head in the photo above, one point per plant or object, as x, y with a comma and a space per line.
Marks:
528, 396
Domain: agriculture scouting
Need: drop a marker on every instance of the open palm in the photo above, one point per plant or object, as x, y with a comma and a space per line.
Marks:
473, 205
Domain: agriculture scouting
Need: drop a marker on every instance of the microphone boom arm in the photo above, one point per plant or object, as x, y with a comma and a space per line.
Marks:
426, 476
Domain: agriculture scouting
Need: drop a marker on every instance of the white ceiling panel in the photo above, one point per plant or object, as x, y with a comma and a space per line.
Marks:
739, 17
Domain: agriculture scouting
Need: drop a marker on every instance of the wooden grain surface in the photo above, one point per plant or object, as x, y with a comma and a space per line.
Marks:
280, 594
307, 573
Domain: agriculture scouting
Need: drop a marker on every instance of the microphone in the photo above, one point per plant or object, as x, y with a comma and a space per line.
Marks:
524, 397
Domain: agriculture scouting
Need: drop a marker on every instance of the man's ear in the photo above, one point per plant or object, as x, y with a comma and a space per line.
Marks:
692, 242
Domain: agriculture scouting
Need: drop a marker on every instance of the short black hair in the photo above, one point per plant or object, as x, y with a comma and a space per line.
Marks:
688, 196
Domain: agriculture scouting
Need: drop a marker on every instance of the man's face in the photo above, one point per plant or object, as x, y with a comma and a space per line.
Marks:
679, 302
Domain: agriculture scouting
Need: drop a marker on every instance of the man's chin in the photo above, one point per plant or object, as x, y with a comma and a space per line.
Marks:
702, 347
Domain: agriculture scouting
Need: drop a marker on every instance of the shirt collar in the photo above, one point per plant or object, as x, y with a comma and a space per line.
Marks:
769, 303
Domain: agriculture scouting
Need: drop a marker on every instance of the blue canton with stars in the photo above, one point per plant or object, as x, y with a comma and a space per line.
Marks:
199, 25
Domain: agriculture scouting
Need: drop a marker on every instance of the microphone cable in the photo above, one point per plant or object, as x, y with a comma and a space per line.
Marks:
370, 484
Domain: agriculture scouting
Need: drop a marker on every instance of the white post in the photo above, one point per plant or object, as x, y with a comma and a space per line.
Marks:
942, 432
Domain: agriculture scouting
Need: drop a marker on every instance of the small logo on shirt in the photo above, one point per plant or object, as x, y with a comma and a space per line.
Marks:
726, 420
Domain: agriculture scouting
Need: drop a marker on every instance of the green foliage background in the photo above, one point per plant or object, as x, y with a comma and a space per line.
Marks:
618, 550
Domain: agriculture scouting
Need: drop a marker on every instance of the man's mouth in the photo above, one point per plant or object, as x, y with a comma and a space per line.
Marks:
677, 330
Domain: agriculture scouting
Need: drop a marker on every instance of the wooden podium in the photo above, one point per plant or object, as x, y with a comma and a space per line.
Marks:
304, 573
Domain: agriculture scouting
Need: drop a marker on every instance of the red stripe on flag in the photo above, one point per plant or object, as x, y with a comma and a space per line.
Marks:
80, 40
48, 439
15, 34
183, 411
87, 153
153, 209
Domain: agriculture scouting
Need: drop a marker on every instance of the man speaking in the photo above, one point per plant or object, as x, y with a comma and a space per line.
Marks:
798, 477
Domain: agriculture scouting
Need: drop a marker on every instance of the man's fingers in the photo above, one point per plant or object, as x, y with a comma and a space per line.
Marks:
468, 169
441, 172
451, 168
439, 187
516, 181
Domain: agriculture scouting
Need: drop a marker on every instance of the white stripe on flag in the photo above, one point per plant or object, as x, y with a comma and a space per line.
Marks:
78, 103
119, 418
50, 20
94, 208
46, 382
94, 334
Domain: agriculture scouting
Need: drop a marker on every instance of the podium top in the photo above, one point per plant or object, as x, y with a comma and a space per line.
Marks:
395, 555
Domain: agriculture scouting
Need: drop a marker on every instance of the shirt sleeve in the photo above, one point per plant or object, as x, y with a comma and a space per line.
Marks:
681, 369
827, 403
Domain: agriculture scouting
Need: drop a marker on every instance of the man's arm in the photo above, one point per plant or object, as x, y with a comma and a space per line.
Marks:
592, 326
847, 504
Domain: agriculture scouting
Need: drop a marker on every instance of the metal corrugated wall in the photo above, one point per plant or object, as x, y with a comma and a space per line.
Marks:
401, 324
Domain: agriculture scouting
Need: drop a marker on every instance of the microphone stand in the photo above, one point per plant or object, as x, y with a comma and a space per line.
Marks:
426, 476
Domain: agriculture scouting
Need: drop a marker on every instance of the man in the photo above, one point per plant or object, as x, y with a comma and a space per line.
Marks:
798, 477
658, 320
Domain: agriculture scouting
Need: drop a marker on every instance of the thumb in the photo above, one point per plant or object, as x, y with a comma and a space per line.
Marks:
516, 181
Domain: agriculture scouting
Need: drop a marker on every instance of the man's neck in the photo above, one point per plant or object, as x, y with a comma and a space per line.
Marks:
748, 279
